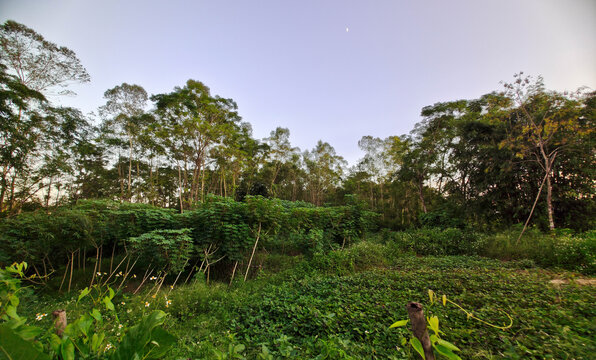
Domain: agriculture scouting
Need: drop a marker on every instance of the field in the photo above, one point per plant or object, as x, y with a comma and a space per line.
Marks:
340, 306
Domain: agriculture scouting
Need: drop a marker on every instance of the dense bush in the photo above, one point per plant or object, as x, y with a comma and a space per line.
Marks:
572, 252
560, 249
436, 241
220, 228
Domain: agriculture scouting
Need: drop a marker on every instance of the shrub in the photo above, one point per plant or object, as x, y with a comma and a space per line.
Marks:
561, 249
435, 241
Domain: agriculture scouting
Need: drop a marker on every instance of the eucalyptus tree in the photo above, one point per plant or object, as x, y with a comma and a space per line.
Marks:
280, 153
373, 165
324, 170
122, 113
191, 122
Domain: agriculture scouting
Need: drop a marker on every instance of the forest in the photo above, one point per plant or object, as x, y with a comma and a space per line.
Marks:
160, 227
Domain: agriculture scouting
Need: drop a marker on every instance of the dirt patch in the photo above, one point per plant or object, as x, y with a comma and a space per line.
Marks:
588, 282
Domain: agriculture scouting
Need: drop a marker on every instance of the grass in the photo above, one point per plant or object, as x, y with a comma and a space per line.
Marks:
340, 305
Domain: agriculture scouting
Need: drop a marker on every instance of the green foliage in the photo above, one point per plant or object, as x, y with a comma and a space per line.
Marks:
355, 309
86, 337
436, 241
169, 250
563, 250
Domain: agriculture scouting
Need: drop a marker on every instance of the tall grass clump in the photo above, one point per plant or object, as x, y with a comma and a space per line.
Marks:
437, 241
559, 249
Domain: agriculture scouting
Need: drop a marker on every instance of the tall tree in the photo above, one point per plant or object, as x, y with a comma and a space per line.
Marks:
42, 67
324, 168
191, 123
543, 124
122, 115
39, 64
19, 130
280, 152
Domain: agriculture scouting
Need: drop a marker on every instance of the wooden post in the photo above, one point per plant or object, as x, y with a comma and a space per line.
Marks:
253, 252
233, 273
59, 321
418, 321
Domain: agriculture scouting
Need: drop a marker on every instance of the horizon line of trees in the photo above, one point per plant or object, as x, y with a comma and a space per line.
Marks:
494, 160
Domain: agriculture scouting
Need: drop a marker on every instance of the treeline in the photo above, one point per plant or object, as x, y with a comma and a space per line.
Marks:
487, 161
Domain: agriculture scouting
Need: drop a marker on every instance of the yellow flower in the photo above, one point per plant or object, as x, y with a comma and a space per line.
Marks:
147, 304
168, 303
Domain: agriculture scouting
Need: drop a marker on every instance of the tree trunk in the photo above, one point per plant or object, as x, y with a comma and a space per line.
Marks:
121, 181
49, 193
418, 321
203, 181
549, 201
421, 194
233, 273
180, 186
253, 252
71, 268
129, 193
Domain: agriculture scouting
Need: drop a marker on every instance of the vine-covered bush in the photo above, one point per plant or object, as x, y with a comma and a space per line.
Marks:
168, 250
217, 229
436, 241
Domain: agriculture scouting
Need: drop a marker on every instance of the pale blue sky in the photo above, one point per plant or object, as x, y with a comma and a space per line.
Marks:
293, 64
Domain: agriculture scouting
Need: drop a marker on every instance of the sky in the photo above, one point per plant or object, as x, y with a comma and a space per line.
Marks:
330, 70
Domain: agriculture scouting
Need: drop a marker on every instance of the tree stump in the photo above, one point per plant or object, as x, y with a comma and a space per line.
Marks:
59, 321
418, 321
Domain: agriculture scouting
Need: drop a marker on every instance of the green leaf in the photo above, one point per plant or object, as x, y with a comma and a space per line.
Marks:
164, 341
433, 323
28, 332
95, 343
108, 303
135, 343
446, 352
11, 311
399, 323
239, 348
448, 345
14, 347
403, 341
55, 342
96, 315
67, 350
417, 346
83, 293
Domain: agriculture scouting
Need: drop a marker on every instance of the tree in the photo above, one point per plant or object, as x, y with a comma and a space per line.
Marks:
542, 125
18, 133
280, 152
191, 122
123, 112
37, 63
31, 68
324, 169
